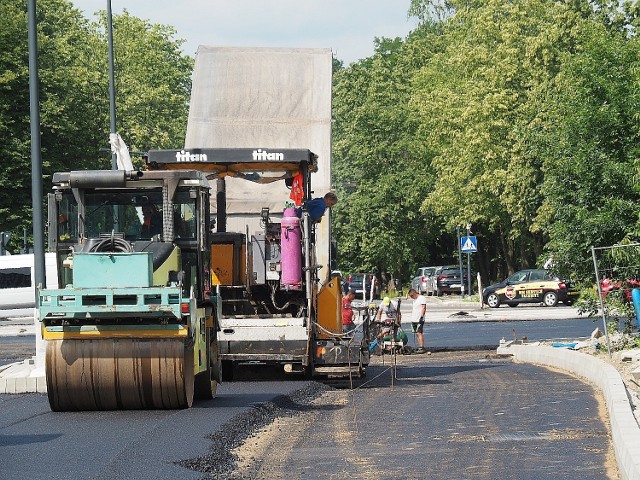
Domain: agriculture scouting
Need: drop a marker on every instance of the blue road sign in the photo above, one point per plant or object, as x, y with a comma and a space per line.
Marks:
469, 244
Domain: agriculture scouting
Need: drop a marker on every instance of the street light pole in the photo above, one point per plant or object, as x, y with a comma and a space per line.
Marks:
36, 154
39, 274
112, 88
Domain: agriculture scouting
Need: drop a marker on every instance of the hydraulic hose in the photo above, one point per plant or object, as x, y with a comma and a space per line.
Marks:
113, 244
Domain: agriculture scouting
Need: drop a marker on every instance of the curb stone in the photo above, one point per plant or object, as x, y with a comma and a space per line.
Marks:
22, 377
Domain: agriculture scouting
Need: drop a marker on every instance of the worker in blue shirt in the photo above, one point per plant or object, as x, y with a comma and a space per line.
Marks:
317, 206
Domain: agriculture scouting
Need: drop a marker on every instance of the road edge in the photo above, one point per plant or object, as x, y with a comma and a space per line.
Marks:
625, 431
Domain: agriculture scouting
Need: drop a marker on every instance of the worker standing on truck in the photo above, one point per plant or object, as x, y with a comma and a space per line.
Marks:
418, 312
317, 206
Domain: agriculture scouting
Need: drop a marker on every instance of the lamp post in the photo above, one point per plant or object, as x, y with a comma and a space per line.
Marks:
112, 87
36, 154
36, 179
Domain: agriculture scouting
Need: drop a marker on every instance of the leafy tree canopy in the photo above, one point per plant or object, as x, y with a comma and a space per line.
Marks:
152, 91
515, 116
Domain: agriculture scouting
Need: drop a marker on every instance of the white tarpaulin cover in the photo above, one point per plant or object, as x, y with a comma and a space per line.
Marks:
265, 98
122, 152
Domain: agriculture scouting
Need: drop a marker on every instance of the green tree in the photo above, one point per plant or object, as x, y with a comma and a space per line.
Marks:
478, 100
153, 78
63, 98
515, 116
152, 81
590, 146
378, 166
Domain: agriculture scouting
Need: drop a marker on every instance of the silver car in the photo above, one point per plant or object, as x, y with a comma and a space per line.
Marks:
424, 280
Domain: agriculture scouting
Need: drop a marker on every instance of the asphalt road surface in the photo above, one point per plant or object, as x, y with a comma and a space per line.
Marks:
451, 325
446, 415
36, 443
461, 335
455, 415
452, 414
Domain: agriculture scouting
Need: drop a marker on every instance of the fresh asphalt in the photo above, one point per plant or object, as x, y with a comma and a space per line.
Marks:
458, 415
37, 443
445, 415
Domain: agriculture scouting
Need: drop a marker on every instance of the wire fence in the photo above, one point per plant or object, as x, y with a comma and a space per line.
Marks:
617, 272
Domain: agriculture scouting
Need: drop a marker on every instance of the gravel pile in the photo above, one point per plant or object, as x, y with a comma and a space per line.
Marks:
220, 462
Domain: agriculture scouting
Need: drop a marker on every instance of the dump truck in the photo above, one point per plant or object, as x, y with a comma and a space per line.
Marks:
133, 323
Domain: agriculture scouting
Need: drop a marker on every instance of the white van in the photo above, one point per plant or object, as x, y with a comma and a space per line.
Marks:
17, 286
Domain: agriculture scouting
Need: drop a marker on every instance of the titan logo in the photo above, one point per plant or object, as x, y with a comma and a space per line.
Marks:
264, 155
183, 156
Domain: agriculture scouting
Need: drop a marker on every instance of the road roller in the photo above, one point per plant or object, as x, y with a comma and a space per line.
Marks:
133, 322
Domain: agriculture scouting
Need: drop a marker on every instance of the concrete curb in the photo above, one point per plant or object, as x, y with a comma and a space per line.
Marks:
22, 377
624, 427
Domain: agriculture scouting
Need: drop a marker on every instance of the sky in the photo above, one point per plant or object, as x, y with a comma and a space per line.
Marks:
348, 27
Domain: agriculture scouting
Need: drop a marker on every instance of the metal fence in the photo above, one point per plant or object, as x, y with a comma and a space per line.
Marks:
617, 268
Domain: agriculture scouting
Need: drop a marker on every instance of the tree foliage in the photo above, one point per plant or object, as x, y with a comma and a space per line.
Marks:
153, 81
590, 150
152, 85
522, 116
378, 167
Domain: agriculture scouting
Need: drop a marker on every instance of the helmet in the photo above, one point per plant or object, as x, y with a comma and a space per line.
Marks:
386, 301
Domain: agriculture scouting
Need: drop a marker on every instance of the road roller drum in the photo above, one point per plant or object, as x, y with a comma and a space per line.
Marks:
123, 373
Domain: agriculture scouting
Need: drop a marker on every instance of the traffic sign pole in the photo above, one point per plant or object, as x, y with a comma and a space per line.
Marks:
467, 245
468, 264
460, 261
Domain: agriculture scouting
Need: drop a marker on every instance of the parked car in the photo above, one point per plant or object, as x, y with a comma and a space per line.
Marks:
530, 286
424, 281
447, 279
360, 283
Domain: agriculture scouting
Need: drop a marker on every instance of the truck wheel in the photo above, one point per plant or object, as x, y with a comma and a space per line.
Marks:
227, 371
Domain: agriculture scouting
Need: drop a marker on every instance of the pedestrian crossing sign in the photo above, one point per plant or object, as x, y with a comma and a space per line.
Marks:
469, 244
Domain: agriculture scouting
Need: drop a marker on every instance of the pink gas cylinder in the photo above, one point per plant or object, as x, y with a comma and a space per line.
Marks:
291, 251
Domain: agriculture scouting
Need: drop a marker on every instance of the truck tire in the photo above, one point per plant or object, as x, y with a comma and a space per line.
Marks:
227, 371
